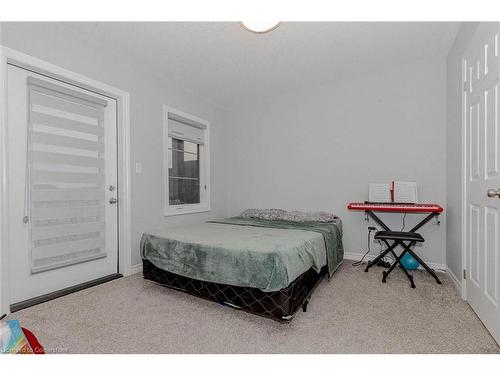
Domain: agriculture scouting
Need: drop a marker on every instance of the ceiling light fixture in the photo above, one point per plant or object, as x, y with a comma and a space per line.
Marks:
259, 27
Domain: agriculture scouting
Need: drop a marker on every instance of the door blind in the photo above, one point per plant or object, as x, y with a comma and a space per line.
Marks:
65, 199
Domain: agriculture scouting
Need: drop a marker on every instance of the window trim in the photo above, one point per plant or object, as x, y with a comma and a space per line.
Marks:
204, 155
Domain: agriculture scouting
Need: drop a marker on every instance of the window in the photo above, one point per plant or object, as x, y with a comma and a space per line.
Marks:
187, 174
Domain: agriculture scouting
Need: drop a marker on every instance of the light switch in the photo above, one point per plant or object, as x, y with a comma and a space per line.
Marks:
138, 167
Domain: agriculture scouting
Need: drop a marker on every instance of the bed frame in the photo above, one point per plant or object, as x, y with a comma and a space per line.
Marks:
280, 305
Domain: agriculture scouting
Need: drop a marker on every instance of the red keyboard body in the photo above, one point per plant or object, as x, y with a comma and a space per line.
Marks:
396, 207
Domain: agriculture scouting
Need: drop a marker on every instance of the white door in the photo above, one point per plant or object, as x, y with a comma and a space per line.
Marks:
482, 104
62, 173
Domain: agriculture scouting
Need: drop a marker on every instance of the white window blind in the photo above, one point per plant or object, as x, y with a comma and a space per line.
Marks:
65, 199
185, 129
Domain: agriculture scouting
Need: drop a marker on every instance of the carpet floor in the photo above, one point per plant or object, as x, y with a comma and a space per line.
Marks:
352, 313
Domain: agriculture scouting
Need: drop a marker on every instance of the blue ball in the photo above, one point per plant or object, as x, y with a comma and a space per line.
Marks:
409, 262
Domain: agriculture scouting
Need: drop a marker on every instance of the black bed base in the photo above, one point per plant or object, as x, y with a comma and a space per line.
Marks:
280, 305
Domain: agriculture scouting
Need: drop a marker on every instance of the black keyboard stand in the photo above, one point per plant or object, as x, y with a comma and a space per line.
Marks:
406, 248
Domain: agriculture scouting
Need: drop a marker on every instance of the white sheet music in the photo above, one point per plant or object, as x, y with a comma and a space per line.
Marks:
379, 193
405, 192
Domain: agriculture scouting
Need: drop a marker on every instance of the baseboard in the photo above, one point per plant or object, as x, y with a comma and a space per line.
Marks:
357, 256
63, 292
136, 269
456, 281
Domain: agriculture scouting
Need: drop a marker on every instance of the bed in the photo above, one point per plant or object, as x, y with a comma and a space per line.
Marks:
265, 265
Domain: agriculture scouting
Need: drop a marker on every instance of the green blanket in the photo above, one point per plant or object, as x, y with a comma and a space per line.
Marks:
262, 254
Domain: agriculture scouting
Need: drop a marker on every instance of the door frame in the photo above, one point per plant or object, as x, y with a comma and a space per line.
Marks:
10, 56
465, 139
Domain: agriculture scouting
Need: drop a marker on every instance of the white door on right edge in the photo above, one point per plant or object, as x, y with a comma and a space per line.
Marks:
482, 104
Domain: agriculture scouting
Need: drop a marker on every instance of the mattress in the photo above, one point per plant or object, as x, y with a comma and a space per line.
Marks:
260, 254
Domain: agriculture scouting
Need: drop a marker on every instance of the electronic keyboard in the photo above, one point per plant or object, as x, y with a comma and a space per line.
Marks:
397, 207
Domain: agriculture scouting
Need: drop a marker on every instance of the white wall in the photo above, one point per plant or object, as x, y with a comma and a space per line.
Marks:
318, 149
454, 154
310, 150
147, 95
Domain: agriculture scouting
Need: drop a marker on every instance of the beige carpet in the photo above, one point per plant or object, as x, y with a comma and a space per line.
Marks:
353, 313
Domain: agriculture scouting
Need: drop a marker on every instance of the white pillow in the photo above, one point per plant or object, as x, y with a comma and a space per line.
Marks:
265, 214
294, 216
302, 217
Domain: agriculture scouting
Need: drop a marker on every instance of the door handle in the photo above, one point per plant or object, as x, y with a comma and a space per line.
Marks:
113, 200
494, 193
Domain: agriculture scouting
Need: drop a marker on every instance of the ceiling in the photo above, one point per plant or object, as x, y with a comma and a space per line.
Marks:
230, 66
